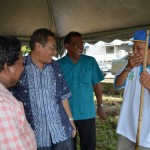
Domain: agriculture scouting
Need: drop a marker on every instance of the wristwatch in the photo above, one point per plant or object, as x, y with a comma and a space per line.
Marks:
127, 69
100, 105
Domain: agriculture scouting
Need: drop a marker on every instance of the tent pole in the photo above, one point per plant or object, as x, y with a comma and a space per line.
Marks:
54, 23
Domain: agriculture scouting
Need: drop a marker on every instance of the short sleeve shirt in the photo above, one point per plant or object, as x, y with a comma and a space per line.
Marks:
80, 78
42, 92
128, 120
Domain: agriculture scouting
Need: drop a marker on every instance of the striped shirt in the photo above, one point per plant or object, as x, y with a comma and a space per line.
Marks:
15, 132
42, 92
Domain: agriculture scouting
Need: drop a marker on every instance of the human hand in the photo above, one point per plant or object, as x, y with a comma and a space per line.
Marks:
74, 128
101, 113
145, 79
134, 59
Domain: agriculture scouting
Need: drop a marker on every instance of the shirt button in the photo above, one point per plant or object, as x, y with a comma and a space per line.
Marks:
59, 75
25, 91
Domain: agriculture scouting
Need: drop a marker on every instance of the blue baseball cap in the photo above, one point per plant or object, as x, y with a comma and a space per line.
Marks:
140, 35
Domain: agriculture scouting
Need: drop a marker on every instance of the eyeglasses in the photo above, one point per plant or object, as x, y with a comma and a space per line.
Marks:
78, 45
53, 48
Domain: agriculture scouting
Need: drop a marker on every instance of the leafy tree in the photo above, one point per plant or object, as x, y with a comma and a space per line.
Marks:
25, 50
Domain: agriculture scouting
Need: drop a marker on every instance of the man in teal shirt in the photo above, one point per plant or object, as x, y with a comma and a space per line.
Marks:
83, 77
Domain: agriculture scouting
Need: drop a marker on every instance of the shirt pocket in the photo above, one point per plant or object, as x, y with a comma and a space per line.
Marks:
87, 76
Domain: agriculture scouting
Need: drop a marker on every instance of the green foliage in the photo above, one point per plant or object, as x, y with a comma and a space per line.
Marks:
25, 50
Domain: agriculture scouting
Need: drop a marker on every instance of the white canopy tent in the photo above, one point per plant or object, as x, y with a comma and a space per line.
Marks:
95, 19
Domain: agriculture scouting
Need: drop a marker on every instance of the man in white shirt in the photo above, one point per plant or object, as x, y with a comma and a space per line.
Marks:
131, 77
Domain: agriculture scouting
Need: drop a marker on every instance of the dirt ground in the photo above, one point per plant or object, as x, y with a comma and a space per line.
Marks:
112, 104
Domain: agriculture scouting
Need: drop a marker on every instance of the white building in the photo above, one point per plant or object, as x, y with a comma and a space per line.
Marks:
106, 52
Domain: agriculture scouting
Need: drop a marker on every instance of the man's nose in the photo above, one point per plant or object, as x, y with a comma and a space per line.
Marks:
135, 50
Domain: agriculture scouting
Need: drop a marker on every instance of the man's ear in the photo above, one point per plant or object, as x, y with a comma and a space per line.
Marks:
38, 45
7, 69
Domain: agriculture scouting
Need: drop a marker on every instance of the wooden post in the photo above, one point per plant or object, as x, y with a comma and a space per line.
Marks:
142, 95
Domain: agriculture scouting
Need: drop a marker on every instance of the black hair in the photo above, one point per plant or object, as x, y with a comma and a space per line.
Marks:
69, 35
10, 48
40, 36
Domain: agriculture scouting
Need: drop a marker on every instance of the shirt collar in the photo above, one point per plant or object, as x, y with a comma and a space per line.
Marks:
68, 58
28, 61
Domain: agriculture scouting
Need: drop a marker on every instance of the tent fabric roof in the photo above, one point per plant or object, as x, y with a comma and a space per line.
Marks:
95, 19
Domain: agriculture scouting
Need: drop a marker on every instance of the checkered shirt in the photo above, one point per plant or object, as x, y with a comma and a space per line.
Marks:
15, 132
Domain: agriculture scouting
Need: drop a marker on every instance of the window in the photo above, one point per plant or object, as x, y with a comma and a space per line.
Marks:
109, 49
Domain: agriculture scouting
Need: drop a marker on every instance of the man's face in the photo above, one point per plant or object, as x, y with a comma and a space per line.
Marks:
75, 48
47, 51
139, 47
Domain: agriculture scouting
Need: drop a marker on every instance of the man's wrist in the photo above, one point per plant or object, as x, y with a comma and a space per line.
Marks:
100, 105
127, 69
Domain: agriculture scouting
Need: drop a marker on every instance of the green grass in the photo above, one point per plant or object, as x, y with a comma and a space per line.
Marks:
106, 130
106, 134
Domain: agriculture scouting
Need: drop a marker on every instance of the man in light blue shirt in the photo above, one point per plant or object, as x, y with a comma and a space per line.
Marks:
131, 77
83, 77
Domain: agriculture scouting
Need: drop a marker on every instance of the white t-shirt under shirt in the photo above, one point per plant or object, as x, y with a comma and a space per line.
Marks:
128, 120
